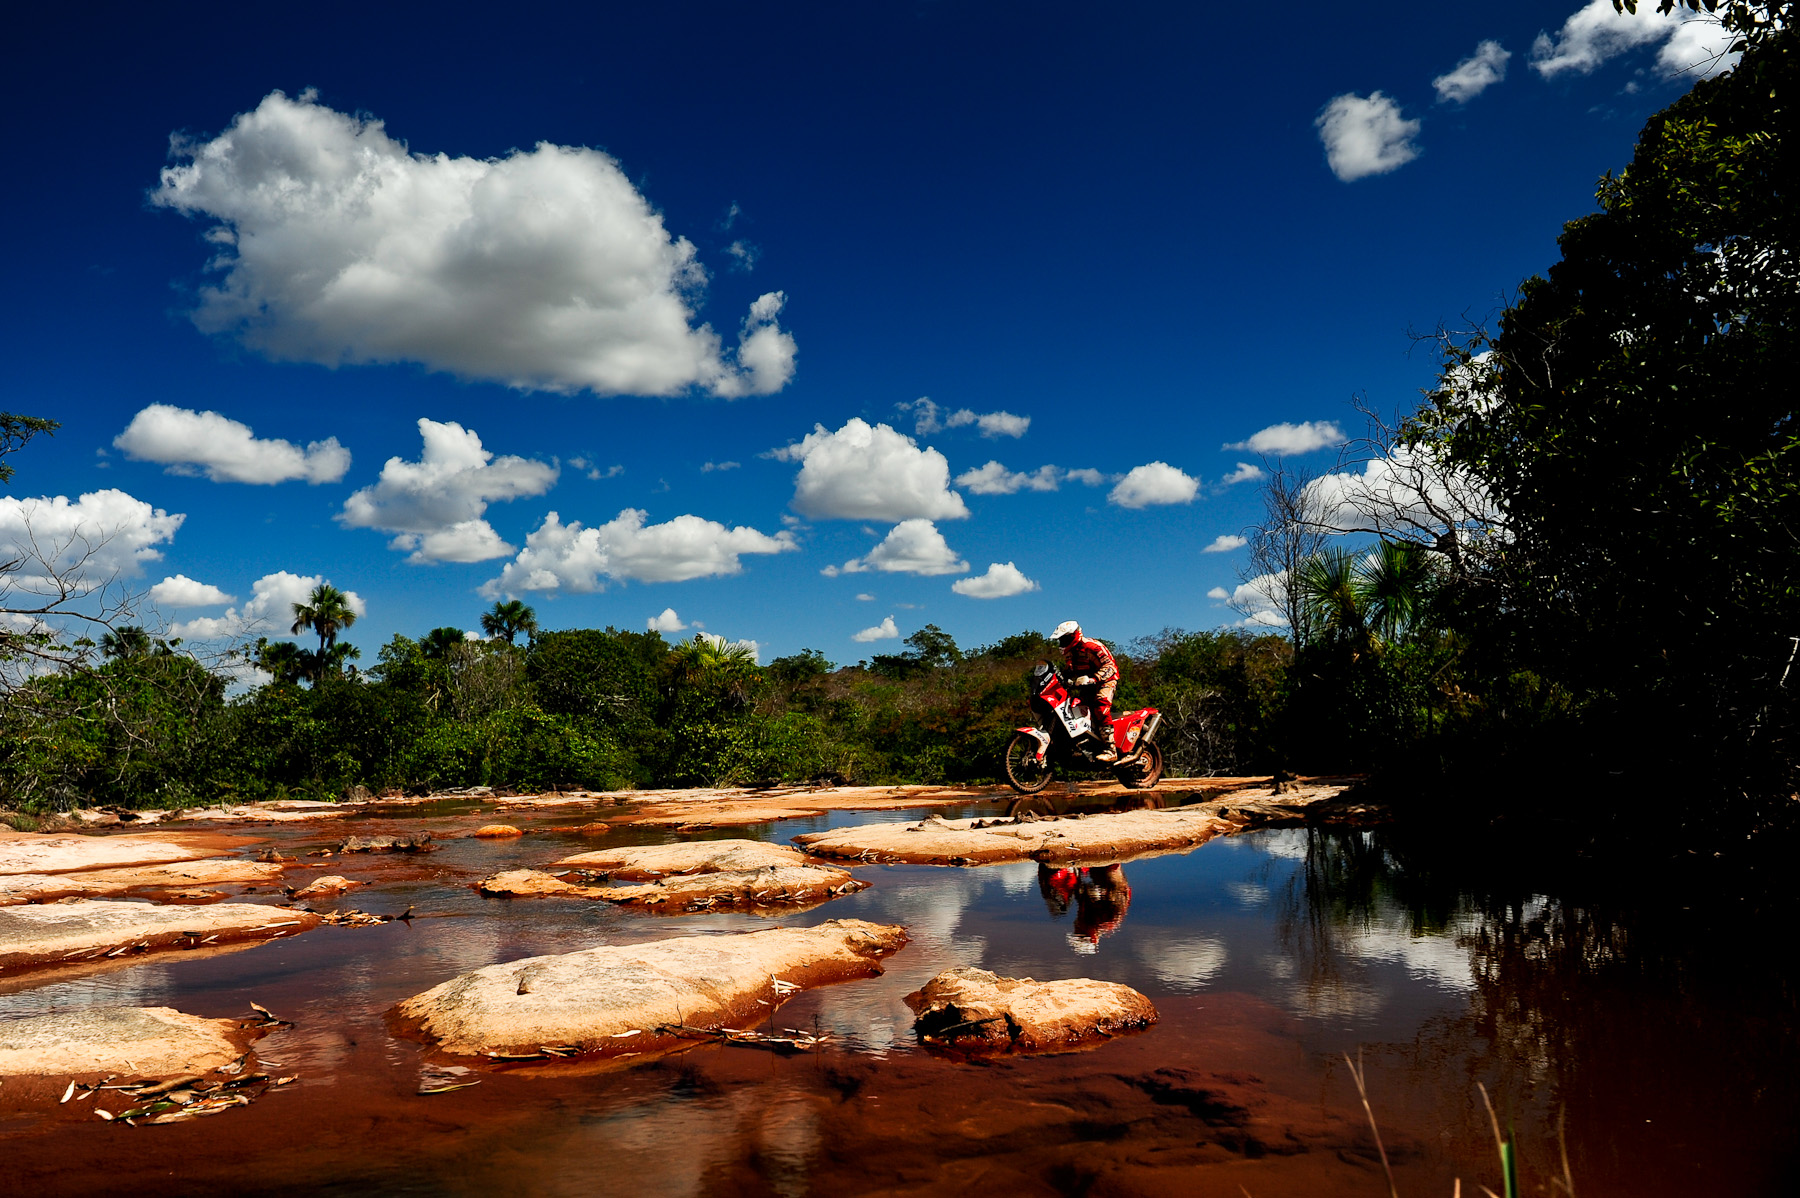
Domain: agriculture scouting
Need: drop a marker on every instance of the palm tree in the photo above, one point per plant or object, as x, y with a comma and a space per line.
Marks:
1329, 586
326, 611
439, 641
1399, 581
126, 641
1364, 599
509, 619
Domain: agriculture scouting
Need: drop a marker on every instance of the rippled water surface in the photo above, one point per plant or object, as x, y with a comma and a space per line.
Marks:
1659, 1032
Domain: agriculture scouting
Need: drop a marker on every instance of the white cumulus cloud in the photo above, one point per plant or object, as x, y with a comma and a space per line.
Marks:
929, 418
884, 631
1002, 579
1224, 543
1259, 599
667, 622
178, 590
270, 611
569, 557
544, 268
1285, 438
1474, 74
1596, 32
225, 450
995, 479
1365, 135
870, 473
436, 503
98, 537
1246, 472
911, 547
1154, 484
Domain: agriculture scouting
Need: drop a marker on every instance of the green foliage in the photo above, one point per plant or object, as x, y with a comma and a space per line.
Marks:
15, 432
508, 619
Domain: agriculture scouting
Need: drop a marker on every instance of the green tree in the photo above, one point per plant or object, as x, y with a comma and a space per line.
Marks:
439, 641
507, 620
15, 432
126, 641
326, 611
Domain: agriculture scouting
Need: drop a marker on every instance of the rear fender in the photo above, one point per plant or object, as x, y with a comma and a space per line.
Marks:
1130, 729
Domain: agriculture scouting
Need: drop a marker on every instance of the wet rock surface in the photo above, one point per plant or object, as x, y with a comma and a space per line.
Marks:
80, 930
177, 877
776, 885
35, 853
329, 886
405, 842
140, 1041
496, 832
973, 1009
936, 841
636, 998
648, 862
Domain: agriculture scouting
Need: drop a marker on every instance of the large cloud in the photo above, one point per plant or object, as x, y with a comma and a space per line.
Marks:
270, 611
1002, 580
1474, 74
870, 473
541, 269
1154, 484
1366, 136
1690, 41
1284, 438
86, 542
911, 547
190, 442
437, 502
569, 557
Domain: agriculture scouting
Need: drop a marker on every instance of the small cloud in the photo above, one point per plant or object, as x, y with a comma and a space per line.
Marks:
667, 622
1246, 472
594, 471
865, 597
911, 547
995, 479
1003, 579
1219, 595
928, 417
1692, 42
712, 466
744, 255
1086, 477
884, 631
1154, 484
224, 450
1366, 136
1225, 543
1474, 74
178, 590
1292, 438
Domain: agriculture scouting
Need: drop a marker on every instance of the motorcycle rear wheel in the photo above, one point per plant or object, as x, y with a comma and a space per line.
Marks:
1024, 772
1147, 772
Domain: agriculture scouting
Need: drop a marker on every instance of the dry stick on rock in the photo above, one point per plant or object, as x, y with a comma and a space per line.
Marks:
1356, 1072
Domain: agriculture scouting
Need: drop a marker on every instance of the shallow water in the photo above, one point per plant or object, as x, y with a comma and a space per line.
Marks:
1660, 1031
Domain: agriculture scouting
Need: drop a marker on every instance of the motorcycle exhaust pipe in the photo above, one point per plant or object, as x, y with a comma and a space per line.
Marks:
1150, 727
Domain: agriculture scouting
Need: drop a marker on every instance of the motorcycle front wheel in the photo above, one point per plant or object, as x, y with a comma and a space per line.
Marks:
1024, 772
1147, 772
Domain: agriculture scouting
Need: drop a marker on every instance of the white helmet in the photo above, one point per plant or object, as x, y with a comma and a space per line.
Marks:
1067, 628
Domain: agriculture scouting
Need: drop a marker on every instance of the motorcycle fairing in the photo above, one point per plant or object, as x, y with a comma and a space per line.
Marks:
1129, 727
1042, 738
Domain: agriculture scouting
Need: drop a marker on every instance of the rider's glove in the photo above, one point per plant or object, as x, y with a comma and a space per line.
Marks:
1084, 680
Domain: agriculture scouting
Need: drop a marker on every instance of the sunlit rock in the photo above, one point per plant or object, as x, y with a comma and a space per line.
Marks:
136, 1041
974, 1009
81, 930
646, 862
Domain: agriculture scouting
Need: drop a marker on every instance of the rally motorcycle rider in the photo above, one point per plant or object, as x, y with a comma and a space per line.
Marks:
1096, 678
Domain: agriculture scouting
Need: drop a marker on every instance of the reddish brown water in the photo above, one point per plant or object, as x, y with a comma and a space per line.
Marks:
1666, 1045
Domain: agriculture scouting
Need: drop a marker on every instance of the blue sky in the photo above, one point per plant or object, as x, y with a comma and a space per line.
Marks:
618, 244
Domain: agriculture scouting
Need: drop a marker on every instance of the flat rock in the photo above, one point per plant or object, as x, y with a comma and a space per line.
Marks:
936, 841
36, 853
629, 998
496, 832
645, 863
89, 929
134, 1041
329, 886
773, 886
408, 842
214, 871
974, 1009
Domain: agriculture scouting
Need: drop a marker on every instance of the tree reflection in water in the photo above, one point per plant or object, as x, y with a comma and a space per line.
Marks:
1657, 1009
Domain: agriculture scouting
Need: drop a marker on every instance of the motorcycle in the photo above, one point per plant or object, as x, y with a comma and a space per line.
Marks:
1066, 738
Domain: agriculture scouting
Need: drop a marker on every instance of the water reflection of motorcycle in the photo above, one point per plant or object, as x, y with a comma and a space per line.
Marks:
1101, 896
1067, 739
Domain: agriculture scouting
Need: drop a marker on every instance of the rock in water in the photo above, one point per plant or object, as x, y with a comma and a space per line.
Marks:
778, 885
139, 1041
974, 1009
411, 842
630, 998
497, 832
645, 863
80, 930
329, 886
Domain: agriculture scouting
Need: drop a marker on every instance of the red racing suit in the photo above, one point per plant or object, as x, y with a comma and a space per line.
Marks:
1090, 658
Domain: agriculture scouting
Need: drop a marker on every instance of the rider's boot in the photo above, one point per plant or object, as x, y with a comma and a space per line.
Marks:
1103, 730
